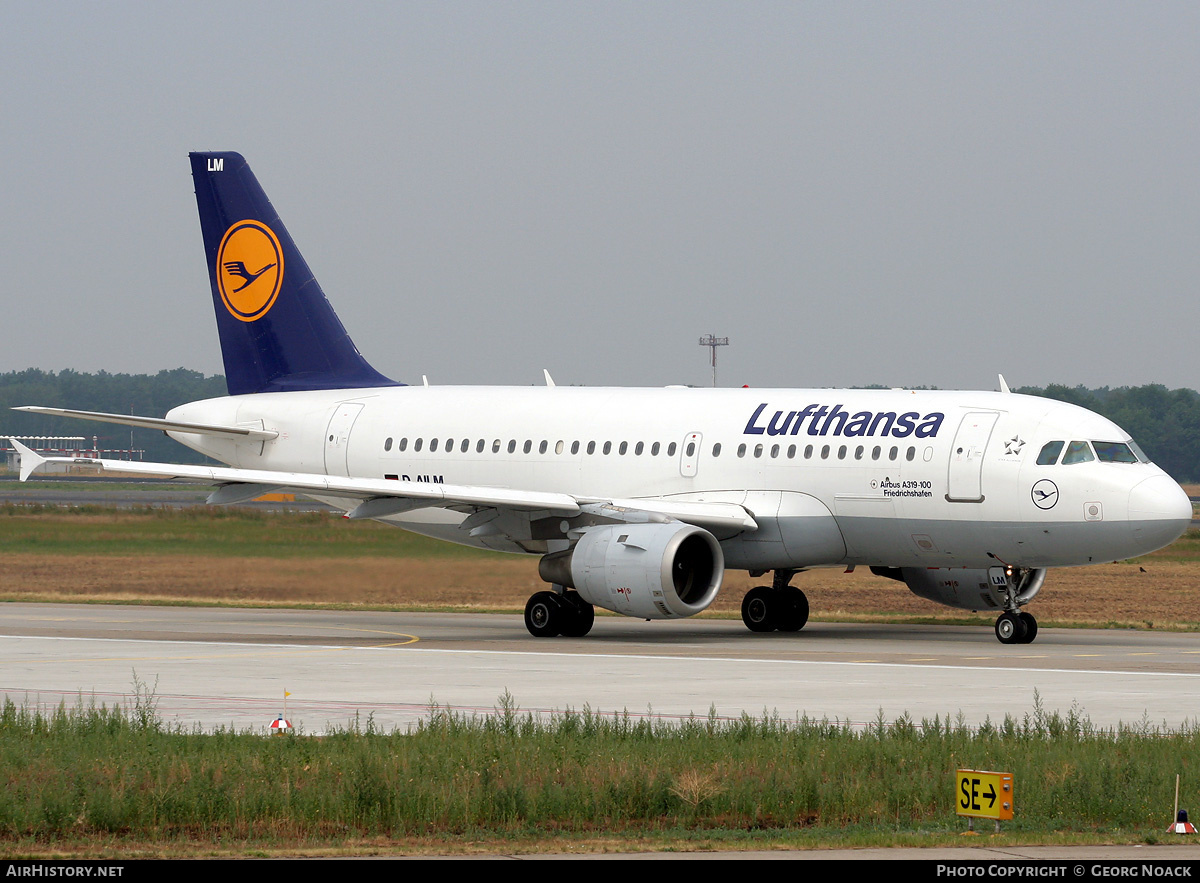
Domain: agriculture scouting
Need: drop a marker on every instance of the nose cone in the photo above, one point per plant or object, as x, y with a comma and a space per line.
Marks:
1159, 512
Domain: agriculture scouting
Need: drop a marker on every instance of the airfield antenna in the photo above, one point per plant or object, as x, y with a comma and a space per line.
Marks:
712, 343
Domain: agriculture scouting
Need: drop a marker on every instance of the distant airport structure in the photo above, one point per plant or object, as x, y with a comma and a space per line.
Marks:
72, 446
712, 342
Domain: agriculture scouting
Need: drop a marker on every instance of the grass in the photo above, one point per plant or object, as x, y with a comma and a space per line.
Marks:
95, 530
89, 779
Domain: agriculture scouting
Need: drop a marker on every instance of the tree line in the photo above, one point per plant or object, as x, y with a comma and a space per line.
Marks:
1165, 422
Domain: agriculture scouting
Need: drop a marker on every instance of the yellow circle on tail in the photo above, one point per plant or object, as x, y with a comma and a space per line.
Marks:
249, 269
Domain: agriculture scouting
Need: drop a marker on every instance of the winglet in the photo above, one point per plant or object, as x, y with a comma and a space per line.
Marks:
1003, 384
549, 379
30, 460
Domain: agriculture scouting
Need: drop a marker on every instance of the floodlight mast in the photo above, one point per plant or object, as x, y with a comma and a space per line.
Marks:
712, 343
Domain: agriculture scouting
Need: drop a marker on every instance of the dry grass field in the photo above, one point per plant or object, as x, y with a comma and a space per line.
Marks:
158, 557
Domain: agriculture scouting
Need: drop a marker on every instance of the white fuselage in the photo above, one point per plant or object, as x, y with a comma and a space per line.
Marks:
892, 478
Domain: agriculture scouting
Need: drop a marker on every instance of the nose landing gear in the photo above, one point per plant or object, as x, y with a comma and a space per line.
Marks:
1015, 626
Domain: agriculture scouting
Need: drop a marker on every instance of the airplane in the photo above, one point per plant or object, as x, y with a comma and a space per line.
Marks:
637, 500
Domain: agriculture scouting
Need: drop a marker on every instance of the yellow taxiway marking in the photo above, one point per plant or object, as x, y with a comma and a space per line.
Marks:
410, 639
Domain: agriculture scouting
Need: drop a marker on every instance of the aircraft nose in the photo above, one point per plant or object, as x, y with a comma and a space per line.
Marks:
1159, 511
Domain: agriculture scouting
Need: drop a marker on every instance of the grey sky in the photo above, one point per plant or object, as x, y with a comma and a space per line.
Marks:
916, 193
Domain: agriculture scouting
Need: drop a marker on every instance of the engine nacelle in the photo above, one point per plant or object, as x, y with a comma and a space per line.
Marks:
651, 571
968, 588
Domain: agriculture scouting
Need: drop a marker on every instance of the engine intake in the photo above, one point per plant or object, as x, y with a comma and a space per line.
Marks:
651, 571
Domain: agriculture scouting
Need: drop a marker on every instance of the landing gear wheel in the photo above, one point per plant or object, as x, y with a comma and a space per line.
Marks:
759, 608
1011, 628
544, 615
793, 609
1031, 627
579, 615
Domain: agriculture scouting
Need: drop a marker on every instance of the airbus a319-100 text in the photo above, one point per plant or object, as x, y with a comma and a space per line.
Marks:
638, 500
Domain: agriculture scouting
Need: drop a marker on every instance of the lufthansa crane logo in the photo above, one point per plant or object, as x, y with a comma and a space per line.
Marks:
1044, 493
249, 269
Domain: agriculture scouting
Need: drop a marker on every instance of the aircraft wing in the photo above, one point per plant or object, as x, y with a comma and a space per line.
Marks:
383, 497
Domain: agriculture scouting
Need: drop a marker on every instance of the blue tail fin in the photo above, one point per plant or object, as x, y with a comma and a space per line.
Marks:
278, 331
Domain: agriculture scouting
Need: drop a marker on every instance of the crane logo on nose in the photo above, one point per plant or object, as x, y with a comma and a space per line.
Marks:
1045, 494
249, 269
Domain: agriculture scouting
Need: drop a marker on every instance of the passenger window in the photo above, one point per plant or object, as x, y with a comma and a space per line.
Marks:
608, 447
638, 448
512, 445
875, 452
528, 446
591, 448
808, 451
825, 452
623, 448
671, 449
858, 452
558, 447
403, 446
449, 449
1077, 452
791, 452
758, 449
741, 450
842, 452
417, 445
893, 453
910, 453
542, 447
654, 449
574, 447
691, 449
717, 449
774, 451
479, 446
496, 446
387, 445
465, 446
1049, 453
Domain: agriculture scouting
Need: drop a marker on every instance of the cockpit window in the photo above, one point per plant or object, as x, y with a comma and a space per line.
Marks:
1077, 452
1049, 454
1141, 455
1114, 452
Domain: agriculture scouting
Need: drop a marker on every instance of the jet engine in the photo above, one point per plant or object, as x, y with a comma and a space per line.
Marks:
651, 571
968, 588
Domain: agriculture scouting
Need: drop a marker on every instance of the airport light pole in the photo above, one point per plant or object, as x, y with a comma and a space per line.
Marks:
712, 343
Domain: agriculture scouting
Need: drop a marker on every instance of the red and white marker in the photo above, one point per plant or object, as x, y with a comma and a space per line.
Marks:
1182, 825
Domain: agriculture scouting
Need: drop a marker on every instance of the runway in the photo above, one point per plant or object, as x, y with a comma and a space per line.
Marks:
214, 667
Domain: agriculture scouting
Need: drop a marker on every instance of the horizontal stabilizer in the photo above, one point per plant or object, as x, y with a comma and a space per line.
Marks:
235, 432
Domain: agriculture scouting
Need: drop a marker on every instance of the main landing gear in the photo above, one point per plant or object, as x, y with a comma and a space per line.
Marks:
775, 607
1016, 627
548, 614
